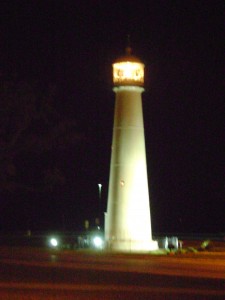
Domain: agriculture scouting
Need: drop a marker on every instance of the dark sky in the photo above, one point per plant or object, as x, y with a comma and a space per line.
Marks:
72, 44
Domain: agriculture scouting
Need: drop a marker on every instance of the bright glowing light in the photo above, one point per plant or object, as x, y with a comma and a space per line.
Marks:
53, 242
128, 73
98, 242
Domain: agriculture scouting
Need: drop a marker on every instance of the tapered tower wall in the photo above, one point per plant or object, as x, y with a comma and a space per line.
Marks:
127, 222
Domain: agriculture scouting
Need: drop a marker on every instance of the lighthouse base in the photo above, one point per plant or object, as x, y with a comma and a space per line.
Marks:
131, 246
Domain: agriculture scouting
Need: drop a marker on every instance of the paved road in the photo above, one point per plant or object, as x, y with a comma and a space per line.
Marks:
38, 274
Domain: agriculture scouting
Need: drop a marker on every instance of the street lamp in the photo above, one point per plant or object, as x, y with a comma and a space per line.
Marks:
100, 190
99, 203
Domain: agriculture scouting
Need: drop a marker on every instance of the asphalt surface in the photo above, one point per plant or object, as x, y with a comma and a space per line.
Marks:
27, 273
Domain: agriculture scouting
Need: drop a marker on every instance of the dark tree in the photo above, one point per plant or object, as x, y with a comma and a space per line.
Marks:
31, 130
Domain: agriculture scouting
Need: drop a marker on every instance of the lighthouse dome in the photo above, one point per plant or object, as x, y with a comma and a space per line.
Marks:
128, 56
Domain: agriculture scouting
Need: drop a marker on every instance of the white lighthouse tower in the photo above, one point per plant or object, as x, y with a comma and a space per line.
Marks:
127, 220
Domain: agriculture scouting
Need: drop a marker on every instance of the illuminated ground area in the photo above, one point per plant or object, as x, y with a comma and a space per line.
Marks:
29, 273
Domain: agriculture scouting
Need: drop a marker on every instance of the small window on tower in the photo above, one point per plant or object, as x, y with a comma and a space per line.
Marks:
122, 183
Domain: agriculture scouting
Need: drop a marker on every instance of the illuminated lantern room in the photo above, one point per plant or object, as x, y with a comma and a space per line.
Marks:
128, 70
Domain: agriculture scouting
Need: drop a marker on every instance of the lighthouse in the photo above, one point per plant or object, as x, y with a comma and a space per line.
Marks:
128, 219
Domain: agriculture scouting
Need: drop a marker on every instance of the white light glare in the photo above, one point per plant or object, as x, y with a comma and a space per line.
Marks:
98, 242
53, 242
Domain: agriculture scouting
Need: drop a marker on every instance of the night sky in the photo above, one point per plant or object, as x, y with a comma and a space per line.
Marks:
71, 45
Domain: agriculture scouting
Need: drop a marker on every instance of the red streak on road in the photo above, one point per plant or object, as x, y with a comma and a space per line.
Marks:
39, 273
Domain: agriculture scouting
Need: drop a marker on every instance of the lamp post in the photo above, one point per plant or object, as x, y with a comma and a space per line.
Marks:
99, 190
99, 201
